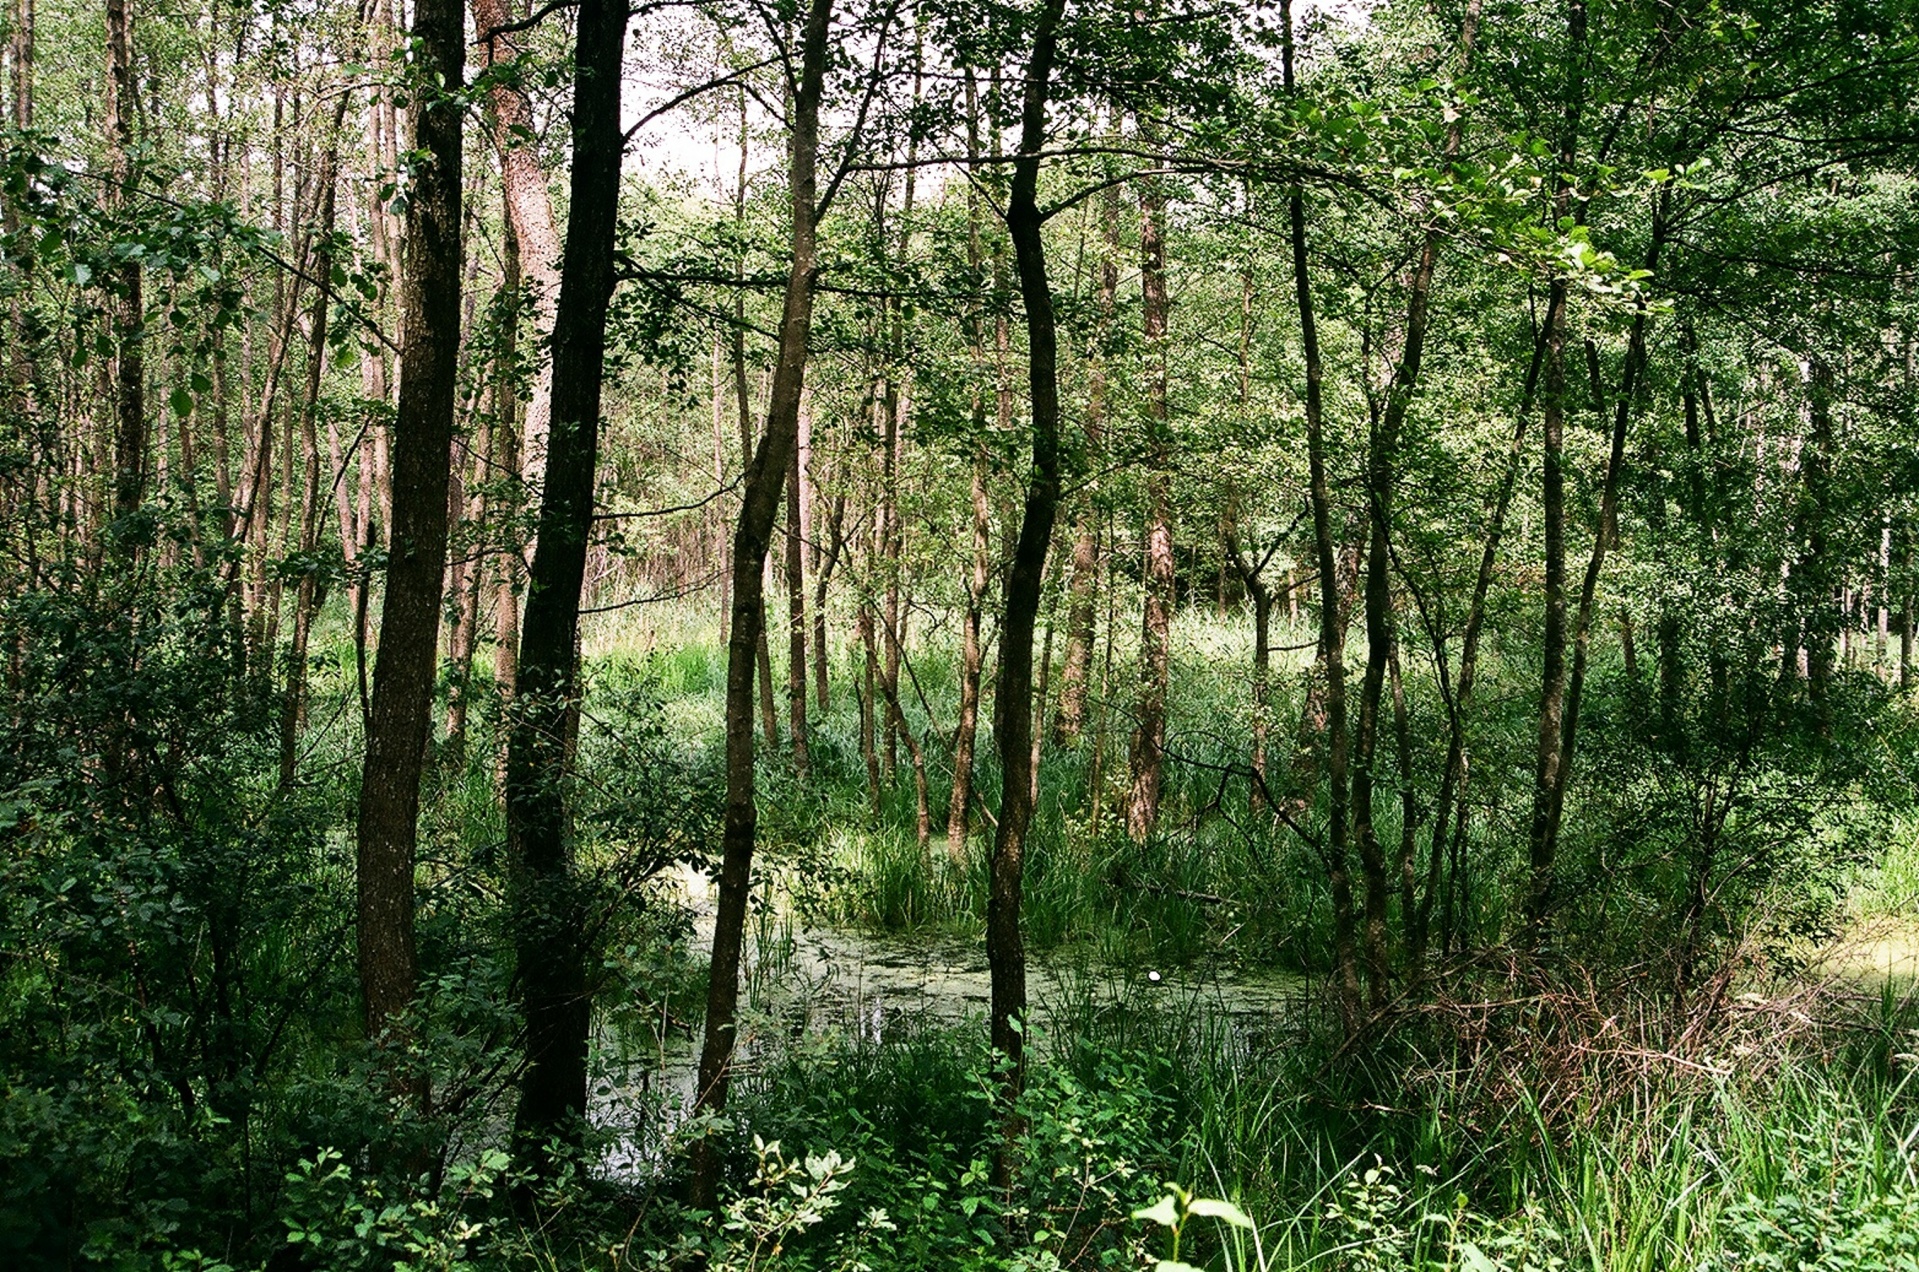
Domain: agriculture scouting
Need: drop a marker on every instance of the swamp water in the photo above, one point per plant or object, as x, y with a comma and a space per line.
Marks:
805, 987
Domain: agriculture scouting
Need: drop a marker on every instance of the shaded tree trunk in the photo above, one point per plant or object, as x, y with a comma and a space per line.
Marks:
1542, 837
759, 507
796, 518
422, 455
548, 912
308, 593
1332, 633
966, 730
129, 318
1147, 753
1083, 603
1012, 733
529, 210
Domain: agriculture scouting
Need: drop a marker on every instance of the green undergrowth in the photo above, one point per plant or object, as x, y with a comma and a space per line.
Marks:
1434, 1151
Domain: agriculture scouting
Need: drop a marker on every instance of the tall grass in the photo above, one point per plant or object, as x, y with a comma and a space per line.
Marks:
1799, 1154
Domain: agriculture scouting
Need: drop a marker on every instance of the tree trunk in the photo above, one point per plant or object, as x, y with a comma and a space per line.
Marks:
1542, 839
1624, 410
1012, 733
1814, 576
966, 731
547, 900
506, 460
529, 209
1082, 606
796, 519
410, 615
759, 507
307, 595
1332, 633
823, 568
130, 410
1146, 755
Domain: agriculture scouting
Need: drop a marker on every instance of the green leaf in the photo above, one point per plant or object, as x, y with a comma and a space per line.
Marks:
1161, 1212
1473, 1259
1225, 1211
181, 400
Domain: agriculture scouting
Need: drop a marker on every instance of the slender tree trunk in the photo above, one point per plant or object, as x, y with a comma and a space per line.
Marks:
471, 583
1624, 410
307, 595
1815, 576
506, 463
1252, 574
1542, 839
1146, 755
891, 549
1082, 606
1012, 733
966, 731
529, 209
823, 568
410, 615
869, 719
916, 756
130, 411
796, 595
759, 507
1332, 633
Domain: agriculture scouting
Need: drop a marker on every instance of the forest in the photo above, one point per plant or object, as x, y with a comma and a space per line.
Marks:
959, 634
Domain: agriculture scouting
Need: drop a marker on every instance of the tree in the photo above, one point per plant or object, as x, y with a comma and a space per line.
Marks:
550, 918
403, 675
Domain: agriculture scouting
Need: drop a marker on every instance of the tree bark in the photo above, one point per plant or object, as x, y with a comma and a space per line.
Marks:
759, 507
966, 730
130, 411
1013, 702
1542, 839
422, 452
1083, 603
529, 209
796, 518
1146, 755
307, 594
548, 909
1332, 633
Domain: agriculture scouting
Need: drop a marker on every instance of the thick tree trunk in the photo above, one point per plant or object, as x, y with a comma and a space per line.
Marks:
1146, 755
422, 455
759, 508
547, 900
